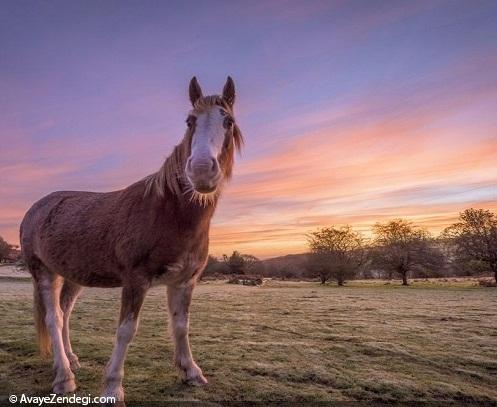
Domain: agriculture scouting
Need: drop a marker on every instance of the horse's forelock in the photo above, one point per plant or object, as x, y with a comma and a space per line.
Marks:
207, 102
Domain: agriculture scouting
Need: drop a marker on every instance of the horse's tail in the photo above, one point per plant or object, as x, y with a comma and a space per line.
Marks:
42, 336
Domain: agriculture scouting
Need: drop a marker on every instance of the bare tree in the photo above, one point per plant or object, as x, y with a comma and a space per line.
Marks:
400, 247
317, 265
336, 253
474, 238
5, 249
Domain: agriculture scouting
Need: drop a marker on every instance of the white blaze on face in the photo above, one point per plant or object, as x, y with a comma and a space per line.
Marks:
209, 134
202, 168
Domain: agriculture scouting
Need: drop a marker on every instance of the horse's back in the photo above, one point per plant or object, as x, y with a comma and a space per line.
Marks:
58, 229
48, 210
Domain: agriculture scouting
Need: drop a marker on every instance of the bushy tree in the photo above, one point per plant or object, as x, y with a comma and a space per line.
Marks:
251, 264
5, 249
400, 247
214, 267
474, 239
335, 253
239, 263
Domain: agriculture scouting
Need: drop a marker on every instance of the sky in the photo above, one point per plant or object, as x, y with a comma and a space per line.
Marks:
353, 112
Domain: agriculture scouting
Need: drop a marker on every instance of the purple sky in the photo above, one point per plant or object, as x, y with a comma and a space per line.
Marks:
353, 112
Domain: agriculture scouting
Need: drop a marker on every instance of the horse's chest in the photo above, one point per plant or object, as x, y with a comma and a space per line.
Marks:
181, 271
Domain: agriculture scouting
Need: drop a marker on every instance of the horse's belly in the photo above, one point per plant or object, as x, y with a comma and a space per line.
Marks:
88, 275
95, 280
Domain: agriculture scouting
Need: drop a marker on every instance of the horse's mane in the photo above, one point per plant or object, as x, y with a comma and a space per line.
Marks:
171, 174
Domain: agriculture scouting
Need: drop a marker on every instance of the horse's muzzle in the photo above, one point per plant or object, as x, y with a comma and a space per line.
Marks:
204, 175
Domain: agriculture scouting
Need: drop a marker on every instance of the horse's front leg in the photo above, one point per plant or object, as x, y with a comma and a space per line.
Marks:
131, 302
179, 298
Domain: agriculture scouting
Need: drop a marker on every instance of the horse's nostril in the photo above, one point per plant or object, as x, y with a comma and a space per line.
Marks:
189, 165
214, 166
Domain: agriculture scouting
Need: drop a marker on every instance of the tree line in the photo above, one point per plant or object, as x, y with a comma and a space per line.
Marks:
397, 248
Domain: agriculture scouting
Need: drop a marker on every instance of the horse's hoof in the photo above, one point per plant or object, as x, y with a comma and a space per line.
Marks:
117, 394
66, 385
197, 380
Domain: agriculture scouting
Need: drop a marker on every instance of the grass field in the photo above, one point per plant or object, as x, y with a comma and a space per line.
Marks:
282, 341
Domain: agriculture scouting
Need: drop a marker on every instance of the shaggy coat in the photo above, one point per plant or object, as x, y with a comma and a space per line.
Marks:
144, 231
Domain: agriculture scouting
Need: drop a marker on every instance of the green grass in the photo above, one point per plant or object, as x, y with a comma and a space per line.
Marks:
283, 341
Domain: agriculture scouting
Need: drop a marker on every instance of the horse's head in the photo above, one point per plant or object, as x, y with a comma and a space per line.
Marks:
213, 135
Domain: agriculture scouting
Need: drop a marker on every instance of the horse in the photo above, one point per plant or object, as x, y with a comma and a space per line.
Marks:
153, 232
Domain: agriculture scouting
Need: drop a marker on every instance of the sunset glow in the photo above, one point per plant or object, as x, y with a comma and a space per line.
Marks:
352, 112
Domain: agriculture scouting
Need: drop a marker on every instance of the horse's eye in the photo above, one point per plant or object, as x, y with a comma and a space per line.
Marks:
228, 122
190, 121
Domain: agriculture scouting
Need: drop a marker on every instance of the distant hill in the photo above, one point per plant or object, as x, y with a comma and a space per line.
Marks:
291, 265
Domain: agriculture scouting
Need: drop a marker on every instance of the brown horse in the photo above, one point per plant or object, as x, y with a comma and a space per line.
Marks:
155, 231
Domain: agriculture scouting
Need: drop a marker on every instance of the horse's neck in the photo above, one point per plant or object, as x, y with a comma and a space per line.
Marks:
169, 206
192, 212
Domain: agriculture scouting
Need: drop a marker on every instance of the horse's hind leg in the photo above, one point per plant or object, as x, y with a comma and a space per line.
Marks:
49, 286
68, 296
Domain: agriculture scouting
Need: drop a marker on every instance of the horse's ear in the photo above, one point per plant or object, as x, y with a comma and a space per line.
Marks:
229, 91
195, 91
